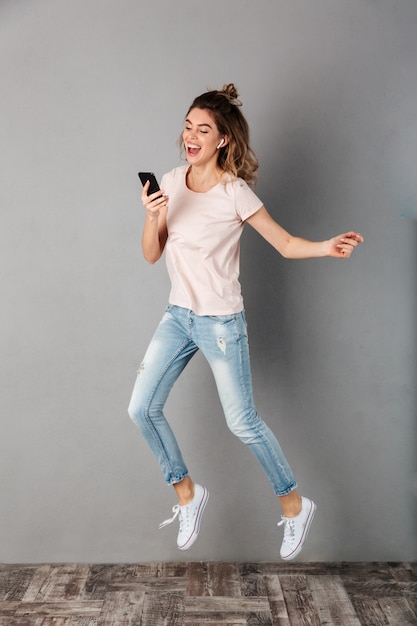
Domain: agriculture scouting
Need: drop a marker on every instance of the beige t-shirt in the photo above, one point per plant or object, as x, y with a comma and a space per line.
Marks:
202, 250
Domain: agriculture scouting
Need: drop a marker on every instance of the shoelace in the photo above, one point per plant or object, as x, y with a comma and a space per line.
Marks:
288, 528
176, 510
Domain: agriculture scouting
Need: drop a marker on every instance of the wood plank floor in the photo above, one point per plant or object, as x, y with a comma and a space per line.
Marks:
226, 594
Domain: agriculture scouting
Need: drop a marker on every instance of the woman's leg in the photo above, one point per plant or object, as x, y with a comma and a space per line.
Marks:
168, 353
224, 342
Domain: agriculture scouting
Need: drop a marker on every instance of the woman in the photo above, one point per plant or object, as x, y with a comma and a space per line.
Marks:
198, 220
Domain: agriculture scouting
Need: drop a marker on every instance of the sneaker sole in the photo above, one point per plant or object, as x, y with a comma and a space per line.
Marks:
196, 530
298, 549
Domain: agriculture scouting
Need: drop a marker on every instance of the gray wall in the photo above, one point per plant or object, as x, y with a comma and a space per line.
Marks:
91, 92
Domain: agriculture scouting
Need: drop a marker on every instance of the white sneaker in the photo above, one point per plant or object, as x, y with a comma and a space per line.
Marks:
296, 530
190, 518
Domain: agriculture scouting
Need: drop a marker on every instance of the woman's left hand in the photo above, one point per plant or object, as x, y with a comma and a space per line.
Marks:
342, 246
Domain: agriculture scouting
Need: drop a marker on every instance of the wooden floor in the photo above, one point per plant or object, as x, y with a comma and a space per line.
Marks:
172, 594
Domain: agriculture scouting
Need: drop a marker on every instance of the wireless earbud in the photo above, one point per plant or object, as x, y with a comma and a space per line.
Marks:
220, 144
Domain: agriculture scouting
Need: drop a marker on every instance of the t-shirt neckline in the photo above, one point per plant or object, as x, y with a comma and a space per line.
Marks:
199, 193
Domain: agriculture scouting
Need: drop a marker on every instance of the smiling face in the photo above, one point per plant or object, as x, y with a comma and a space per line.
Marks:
201, 137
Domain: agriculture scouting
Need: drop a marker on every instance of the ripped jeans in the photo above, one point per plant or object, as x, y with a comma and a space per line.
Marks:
223, 341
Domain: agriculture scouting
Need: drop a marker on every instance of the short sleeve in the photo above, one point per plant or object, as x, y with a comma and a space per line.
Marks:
246, 201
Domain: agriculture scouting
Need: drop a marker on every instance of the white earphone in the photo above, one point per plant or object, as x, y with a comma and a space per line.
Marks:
220, 144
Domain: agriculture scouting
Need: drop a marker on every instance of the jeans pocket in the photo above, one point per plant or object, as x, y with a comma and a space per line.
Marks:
167, 313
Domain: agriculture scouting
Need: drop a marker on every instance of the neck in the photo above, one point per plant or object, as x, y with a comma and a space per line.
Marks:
203, 178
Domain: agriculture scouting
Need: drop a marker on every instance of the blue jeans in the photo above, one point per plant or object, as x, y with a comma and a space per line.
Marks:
223, 341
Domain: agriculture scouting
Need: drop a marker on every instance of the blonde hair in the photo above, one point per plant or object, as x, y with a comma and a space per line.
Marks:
237, 157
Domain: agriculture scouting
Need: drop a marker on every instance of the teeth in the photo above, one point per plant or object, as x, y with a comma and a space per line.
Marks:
190, 146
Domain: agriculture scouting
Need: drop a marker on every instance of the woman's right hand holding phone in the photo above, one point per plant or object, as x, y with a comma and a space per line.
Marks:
154, 202
155, 232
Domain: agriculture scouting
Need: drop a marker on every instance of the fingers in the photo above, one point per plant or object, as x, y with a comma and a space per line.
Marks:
348, 242
344, 251
354, 236
155, 201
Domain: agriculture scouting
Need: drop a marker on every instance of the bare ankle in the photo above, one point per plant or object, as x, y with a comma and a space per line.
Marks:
184, 491
291, 504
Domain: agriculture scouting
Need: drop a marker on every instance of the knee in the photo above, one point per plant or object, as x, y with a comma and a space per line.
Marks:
144, 412
137, 412
243, 425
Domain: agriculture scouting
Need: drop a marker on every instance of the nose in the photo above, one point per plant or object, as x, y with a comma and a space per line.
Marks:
190, 133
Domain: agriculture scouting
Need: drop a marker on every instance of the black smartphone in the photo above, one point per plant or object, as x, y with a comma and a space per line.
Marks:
145, 176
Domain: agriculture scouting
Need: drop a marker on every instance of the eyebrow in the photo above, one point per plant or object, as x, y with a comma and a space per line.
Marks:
189, 121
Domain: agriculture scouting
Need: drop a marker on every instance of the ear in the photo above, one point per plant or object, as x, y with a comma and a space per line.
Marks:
223, 142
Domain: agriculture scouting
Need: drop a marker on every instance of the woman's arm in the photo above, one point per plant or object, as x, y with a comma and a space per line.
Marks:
155, 232
291, 247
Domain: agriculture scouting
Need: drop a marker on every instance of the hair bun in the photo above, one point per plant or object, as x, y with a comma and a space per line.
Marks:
231, 93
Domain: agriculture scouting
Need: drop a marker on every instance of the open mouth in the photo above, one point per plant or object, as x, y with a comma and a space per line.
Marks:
193, 150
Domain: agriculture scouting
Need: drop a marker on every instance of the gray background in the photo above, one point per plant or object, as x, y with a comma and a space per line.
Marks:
91, 92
